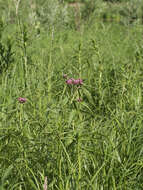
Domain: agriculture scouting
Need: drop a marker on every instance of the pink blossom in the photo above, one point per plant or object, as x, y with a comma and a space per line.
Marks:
65, 76
78, 81
69, 81
22, 100
74, 81
79, 100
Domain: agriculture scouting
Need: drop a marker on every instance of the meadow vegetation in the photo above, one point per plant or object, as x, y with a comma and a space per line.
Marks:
61, 134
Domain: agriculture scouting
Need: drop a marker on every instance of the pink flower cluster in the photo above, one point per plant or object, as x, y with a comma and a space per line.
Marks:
22, 100
74, 81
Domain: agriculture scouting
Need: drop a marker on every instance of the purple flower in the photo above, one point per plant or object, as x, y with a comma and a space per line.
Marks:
69, 81
65, 76
79, 100
22, 100
78, 82
74, 81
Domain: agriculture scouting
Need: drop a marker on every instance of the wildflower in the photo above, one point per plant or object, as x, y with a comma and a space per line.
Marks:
65, 76
22, 100
79, 100
78, 82
74, 81
69, 81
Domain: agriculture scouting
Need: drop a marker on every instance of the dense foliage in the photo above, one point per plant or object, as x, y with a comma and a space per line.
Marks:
71, 93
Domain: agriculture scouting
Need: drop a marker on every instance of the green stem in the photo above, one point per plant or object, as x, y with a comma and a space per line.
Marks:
20, 116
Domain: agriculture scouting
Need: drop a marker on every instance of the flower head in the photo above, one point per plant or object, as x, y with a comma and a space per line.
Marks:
69, 81
74, 81
78, 81
65, 76
22, 100
79, 100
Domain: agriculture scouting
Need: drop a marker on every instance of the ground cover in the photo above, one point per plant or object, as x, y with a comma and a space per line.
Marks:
61, 131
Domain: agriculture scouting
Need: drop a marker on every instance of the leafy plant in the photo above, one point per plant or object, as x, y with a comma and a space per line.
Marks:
71, 100
6, 53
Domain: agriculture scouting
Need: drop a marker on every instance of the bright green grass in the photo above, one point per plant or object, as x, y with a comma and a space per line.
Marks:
92, 145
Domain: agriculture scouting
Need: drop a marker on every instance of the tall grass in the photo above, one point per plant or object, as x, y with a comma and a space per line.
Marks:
53, 138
